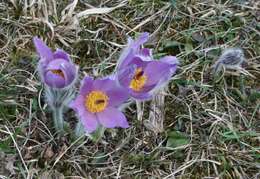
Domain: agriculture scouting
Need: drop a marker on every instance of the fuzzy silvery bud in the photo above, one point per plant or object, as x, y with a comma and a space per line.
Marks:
231, 58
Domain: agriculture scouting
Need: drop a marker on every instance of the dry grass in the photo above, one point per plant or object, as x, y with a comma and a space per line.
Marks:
218, 115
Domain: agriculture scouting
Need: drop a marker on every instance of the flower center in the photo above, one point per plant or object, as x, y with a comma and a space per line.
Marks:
58, 72
138, 81
96, 101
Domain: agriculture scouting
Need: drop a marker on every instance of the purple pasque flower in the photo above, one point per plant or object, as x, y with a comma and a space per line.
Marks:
138, 72
55, 68
97, 104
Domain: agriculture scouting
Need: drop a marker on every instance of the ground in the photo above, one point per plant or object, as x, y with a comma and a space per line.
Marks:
211, 122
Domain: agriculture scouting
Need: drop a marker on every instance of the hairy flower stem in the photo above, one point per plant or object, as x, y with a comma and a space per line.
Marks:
58, 100
79, 130
157, 113
140, 110
58, 119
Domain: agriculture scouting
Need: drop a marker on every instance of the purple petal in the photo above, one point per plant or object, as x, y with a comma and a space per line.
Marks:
112, 117
86, 86
88, 119
126, 58
117, 96
140, 61
141, 95
133, 47
127, 54
104, 84
68, 69
173, 61
42, 49
143, 37
56, 64
157, 71
112, 76
148, 88
60, 54
70, 72
146, 52
170, 60
54, 80
42, 64
78, 105
125, 76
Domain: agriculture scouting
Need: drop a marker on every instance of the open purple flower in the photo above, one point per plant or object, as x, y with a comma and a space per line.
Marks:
138, 72
55, 68
97, 104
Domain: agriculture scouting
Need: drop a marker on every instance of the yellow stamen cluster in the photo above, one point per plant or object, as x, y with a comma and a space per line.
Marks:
96, 101
58, 72
139, 80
